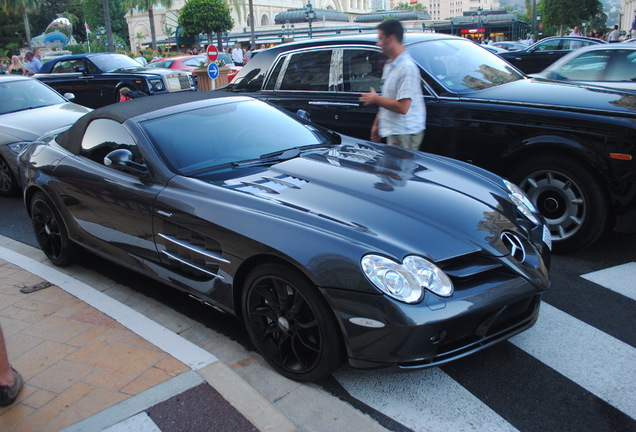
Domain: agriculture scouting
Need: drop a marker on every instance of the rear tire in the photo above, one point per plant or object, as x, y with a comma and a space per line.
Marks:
568, 197
50, 231
290, 324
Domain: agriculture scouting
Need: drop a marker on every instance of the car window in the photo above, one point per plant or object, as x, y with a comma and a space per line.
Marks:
103, 136
551, 45
162, 64
588, 66
307, 71
66, 66
622, 66
273, 77
362, 70
178, 138
193, 62
26, 94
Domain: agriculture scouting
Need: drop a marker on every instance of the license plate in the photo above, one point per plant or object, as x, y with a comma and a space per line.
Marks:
547, 237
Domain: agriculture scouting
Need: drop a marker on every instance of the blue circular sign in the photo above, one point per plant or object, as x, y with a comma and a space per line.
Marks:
213, 70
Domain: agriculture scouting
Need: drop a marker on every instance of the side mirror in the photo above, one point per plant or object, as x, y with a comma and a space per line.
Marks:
303, 114
69, 96
122, 159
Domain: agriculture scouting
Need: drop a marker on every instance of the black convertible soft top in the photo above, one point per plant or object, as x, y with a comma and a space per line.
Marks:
120, 112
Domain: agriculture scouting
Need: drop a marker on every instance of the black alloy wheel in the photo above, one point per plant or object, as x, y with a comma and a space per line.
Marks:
50, 231
290, 323
8, 183
568, 197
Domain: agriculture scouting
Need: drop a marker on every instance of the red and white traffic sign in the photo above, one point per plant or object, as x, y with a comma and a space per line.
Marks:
213, 53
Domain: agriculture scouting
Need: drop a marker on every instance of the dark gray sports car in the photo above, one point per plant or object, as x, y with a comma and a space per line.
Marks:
328, 247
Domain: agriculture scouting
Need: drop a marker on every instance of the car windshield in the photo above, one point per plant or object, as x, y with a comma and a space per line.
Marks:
111, 62
462, 66
22, 95
207, 138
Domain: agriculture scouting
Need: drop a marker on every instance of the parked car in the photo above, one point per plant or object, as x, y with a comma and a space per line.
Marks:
493, 49
510, 45
414, 259
608, 65
96, 78
543, 53
570, 148
28, 110
192, 62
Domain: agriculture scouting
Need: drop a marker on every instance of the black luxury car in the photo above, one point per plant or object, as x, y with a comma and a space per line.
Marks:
572, 149
543, 53
328, 247
95, 79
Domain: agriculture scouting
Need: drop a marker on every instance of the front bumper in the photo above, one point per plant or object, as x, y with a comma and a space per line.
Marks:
437, 330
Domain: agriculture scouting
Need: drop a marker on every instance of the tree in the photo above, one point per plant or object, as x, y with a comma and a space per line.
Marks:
148, 6
569, 13
407, 6
208, 17
94, 16
21, 7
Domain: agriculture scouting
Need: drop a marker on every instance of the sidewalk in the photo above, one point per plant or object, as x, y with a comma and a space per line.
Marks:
91, 363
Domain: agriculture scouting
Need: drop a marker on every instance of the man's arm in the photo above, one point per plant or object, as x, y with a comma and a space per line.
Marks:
397, 106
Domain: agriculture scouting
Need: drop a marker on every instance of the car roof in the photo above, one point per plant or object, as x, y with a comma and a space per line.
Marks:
13, 77
79, 56
120, 112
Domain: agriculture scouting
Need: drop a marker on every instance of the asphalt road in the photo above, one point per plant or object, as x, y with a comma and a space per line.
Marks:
573, 371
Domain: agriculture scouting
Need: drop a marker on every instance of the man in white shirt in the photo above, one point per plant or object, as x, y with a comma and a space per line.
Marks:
614, 35
401, 117
237, 55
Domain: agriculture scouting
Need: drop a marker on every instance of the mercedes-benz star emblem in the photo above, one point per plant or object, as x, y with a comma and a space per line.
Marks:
514, 245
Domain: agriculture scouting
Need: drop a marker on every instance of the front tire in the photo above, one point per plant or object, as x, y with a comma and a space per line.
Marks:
290, 324
568, 197
50, 231
8, 184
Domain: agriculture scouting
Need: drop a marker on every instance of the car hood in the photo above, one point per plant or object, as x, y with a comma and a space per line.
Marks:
395, 202
558, 94
29, 125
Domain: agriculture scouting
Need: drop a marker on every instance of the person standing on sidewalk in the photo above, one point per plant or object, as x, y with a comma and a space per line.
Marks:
401, 118
10, 380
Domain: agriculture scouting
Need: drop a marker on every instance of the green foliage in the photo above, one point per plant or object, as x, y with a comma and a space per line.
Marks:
569, 13
94, 16
407, 6
77, 49
205, 17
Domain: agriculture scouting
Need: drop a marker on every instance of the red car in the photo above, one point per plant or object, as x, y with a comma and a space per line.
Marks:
192, 62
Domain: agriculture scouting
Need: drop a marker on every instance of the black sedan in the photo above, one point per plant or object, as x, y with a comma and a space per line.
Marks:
572, 149
543, 53
95, 79
328, 247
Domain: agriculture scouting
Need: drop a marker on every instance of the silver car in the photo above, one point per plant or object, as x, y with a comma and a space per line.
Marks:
607, 65
29, 109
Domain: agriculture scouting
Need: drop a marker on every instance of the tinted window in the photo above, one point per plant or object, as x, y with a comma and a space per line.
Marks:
232, 131
588, 66
622, 66
103, 136
307, 71
67, 66
362, 70
550, 45
273, 78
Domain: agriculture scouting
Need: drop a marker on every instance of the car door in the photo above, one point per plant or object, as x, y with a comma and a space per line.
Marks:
66, 77
98, 86
540, 56
110, 209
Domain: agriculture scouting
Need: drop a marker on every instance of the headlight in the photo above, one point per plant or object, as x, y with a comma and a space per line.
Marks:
18, 147
157, 85
522, 202
407, 281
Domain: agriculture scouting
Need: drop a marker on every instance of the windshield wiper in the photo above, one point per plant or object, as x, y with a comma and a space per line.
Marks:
299, 149
263, 160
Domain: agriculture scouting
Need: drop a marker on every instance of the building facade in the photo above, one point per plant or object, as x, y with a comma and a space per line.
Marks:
628, 13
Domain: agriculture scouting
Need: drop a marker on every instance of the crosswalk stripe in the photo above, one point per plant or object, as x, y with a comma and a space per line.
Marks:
596, 361
426, 400
621, 279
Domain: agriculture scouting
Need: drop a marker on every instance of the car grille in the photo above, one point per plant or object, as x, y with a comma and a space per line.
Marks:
178, 82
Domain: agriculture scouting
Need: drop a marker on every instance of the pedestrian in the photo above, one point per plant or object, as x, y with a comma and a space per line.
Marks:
33, 63
126, 94
238, 55
633, 35
16, 66
576, 32
401, 117
614, 35
10, 380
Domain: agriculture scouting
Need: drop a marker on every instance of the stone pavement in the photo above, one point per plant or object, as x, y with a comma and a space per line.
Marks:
91, 363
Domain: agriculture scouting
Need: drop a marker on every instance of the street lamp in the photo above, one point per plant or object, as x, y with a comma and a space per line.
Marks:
288, 28
311, 15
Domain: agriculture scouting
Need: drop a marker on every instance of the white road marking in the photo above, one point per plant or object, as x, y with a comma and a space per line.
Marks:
596, 361
621, 279
425, 400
